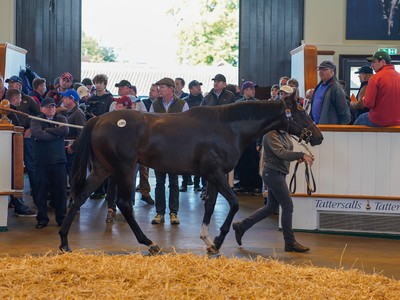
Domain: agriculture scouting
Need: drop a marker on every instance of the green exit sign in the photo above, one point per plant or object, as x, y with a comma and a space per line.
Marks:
390, 51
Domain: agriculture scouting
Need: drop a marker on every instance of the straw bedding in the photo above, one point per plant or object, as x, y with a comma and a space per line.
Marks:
181, 276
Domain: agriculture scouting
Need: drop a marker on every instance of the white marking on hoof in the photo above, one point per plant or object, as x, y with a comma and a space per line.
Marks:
205, 236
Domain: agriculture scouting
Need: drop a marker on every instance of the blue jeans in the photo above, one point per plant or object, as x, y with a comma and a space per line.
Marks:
363, 119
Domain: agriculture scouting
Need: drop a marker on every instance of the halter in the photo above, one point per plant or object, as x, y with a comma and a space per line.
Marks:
311, 186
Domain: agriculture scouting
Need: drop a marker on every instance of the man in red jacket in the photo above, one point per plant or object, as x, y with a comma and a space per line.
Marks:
382, 95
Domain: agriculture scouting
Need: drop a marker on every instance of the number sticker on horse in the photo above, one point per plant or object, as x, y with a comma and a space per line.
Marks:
121, 123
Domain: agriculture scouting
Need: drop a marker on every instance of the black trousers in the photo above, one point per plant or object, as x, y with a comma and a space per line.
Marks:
173, 193
51, 179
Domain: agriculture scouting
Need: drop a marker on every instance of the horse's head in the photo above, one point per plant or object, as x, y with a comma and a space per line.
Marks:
299, 122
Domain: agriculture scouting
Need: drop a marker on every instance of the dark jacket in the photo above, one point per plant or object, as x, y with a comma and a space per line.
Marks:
226, 97
49, 145
175, 107
335, 108
193, 101
99, 105
147, 103
36, 96
30, 107
13, 116
77, 117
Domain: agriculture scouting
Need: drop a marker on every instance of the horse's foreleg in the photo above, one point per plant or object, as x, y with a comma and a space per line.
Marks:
91, 184
209, 206
226, 191
125, 206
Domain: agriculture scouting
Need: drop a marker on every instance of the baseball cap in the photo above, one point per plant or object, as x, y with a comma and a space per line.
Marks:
248, 84
123, 83
48, 101
364, 70
326, 64
166, 81
67, 75
286, 89
14, 79
125, 101
194, 83
71, 93
82, 92
380, 55
219, 77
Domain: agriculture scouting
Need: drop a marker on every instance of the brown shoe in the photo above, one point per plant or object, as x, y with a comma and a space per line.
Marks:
296, 247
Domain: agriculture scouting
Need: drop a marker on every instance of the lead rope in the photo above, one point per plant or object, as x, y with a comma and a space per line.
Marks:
311, 186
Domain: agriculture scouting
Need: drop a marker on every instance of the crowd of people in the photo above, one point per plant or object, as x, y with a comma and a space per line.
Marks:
49, 147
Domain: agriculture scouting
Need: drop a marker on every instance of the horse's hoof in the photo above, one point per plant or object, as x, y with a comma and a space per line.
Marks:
217, 243
154, 249
211, 251
65, 248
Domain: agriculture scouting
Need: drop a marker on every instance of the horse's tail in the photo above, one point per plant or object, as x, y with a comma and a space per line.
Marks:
82, 158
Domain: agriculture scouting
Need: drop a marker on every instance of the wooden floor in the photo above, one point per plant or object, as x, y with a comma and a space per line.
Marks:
89, 231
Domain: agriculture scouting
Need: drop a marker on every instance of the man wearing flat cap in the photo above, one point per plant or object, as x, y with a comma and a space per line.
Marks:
383, 94
364, 74
329, 104
219, 95
167, 102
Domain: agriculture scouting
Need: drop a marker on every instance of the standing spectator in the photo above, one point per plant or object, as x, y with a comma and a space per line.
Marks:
274, 93
167, 103
283, 81
153, 96
89, 85
74, 116
39, 89
235, 90
329, 104
100, 102
278, 153
61, 85
219, 95
194, 99
3, 89
50, 163
382, 94
307, 100
179, 85
248, 165
364, 74
20, 209
294, 84
98, 105
30, 107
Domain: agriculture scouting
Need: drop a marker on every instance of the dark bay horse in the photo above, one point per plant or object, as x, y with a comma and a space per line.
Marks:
205, 141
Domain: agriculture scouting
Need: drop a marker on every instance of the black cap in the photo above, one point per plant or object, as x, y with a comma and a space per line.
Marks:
219, 77
48, 101
123, 83
194, 83
364, 70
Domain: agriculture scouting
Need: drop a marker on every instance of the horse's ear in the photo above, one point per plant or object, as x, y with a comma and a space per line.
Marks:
290, 101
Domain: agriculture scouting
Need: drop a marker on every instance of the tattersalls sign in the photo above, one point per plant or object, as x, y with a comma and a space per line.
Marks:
359, 205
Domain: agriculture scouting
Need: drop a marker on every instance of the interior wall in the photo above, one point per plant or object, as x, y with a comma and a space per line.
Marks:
325, 27
7, 21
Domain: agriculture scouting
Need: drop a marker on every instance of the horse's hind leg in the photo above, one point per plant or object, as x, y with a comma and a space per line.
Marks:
93, 181
209, 206
226, 191
124, 203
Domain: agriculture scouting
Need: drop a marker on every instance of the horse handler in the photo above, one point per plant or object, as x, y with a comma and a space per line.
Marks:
278, 153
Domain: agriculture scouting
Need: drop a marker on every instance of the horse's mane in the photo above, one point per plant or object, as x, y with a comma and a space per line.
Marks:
239, 111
